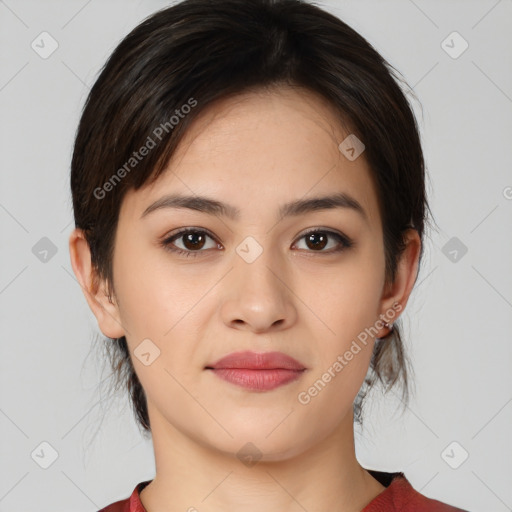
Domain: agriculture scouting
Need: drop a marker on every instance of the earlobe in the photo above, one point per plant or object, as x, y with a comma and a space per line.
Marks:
396, 294
95, 291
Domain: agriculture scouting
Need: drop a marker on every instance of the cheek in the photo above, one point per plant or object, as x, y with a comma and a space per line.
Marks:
346, 301
154, 295
343, 355
348, 305
159, 302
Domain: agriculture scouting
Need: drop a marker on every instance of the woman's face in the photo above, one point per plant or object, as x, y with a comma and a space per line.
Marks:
253, 281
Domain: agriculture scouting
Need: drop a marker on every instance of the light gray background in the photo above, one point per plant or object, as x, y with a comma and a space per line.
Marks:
458, 321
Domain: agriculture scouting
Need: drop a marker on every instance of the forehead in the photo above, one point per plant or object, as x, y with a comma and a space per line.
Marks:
259, 150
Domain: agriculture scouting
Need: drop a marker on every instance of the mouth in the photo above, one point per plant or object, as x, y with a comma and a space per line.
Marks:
257, 372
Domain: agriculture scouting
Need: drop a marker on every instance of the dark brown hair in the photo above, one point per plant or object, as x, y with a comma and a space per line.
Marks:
199, 51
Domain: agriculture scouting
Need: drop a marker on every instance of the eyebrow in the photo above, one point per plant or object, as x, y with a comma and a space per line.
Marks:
294, 208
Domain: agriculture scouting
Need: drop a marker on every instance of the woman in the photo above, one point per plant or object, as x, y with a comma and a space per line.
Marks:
249, 201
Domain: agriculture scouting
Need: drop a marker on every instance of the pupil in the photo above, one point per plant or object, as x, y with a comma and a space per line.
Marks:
320, 245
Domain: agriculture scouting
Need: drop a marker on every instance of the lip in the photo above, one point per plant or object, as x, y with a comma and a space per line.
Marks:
258, 361
257, 372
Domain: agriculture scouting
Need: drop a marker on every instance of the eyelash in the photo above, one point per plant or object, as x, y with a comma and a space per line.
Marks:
346, 243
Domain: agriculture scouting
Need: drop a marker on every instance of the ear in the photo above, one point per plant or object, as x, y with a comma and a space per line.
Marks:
96, 293
397, 293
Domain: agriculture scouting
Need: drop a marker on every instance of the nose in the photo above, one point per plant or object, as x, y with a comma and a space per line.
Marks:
257, 296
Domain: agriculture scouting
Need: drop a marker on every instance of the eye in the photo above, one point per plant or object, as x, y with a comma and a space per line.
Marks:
193, 241
317, 239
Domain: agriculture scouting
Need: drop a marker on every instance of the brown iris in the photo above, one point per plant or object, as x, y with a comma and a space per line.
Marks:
193, 241
316, 240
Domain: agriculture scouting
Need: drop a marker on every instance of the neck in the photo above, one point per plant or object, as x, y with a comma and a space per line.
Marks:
192, 475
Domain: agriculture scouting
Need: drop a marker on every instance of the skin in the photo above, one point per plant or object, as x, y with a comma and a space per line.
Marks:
255, 152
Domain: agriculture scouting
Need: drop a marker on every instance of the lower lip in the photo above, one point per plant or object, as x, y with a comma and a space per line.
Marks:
258, 380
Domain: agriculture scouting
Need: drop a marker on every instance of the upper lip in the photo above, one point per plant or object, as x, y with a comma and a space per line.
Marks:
258, 361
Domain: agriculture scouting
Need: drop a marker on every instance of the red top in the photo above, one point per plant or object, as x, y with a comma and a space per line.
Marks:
399, 495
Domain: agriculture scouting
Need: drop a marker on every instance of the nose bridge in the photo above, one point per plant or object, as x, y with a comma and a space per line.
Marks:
256, 294
256, 263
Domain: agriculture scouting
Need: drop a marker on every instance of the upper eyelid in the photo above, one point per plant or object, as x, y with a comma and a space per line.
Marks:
184, 231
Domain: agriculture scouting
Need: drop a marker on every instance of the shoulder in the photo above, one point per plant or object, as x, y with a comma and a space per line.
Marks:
130, 504
400, 495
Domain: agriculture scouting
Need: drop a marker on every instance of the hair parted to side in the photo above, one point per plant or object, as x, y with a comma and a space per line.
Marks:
199, 51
